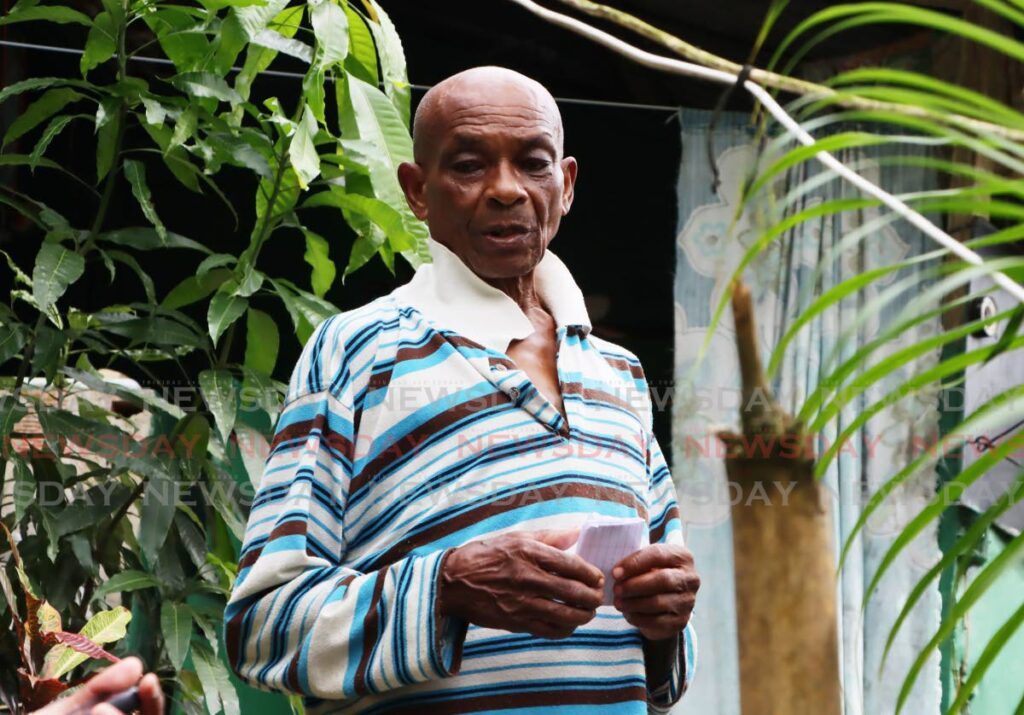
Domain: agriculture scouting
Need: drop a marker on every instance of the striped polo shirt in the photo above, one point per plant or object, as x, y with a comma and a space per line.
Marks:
407, 431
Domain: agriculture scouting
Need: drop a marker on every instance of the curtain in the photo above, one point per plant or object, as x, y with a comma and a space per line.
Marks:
801, 265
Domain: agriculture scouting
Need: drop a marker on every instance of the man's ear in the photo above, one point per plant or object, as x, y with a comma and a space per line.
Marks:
569, 168
410, 176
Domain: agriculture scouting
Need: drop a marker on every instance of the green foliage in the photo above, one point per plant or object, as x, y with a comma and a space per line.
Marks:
128, 506
960, 123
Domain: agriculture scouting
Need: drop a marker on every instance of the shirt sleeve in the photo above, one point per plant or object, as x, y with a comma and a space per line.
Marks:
666, 528
301, 621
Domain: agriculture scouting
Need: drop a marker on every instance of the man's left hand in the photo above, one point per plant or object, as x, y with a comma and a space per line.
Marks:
656, 589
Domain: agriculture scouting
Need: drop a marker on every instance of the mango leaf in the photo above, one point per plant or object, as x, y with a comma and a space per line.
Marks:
12, 339
217, 687
129, 260
124, 582
254, 18
51, 13
392, 60
261, 342
106, 146
157, 513
55, 127
317, 255
191, 440
147, 239
362, 57
24, 490
206, 84
254, 449
11, 411
225, 308
176, 625
56, 268
184, 128
101, 44
330, 27
50, 103
195, 288
274, 40
27, 85
135, 172
221, 395
104, 627
258, 389
302, 152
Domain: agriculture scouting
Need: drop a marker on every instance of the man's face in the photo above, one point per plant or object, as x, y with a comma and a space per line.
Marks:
492, 184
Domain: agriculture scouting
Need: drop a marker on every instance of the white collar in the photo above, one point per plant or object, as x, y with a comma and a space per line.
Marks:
448, 293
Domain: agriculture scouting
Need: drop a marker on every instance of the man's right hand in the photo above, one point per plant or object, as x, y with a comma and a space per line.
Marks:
521, 582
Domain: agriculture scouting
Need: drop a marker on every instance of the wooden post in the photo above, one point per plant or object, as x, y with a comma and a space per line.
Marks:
783, 551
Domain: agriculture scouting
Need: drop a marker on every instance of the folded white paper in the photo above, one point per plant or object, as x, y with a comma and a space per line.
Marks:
605, 540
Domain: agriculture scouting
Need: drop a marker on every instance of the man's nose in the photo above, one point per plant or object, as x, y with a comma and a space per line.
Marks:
505, 188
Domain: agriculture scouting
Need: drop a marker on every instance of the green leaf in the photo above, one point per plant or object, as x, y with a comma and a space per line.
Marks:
101, 44
27, 85
386, 217
259, 390
254, 450
51, 102
129, 260
225, 308
221, 395
330, 27
184, 128
274, 40
52, 130
182, 39
302, 152
12, 339
11, 412
261, 342
217, 687
106, 145
392, 60
206, 84
56, 268
51, 13
195, 288
176, 625
1009, 333
135, 172
318, 257
305, 309
1009, 557
124, 582
158, 503
24, 490
146, 239
362, 58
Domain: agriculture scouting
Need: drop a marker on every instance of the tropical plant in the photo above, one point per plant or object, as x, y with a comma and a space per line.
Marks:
123, 502
900, 109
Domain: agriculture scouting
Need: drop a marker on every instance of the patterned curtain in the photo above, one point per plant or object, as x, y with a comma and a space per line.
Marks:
799, 267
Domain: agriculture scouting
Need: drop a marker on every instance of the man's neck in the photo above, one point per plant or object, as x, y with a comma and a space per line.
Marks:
522, 290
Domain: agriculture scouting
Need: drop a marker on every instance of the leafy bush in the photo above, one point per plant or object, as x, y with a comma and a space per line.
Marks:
123, 504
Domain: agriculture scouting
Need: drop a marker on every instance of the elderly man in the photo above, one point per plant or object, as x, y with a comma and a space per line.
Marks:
441, 445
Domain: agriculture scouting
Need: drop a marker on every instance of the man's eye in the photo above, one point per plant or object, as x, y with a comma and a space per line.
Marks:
536, 165
467, 167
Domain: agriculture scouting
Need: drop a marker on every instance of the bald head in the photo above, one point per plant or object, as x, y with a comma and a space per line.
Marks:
481, 91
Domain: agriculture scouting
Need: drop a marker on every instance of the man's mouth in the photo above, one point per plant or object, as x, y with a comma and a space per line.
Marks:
507, 231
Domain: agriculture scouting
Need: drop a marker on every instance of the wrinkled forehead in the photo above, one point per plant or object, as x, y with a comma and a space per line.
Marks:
513, 110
